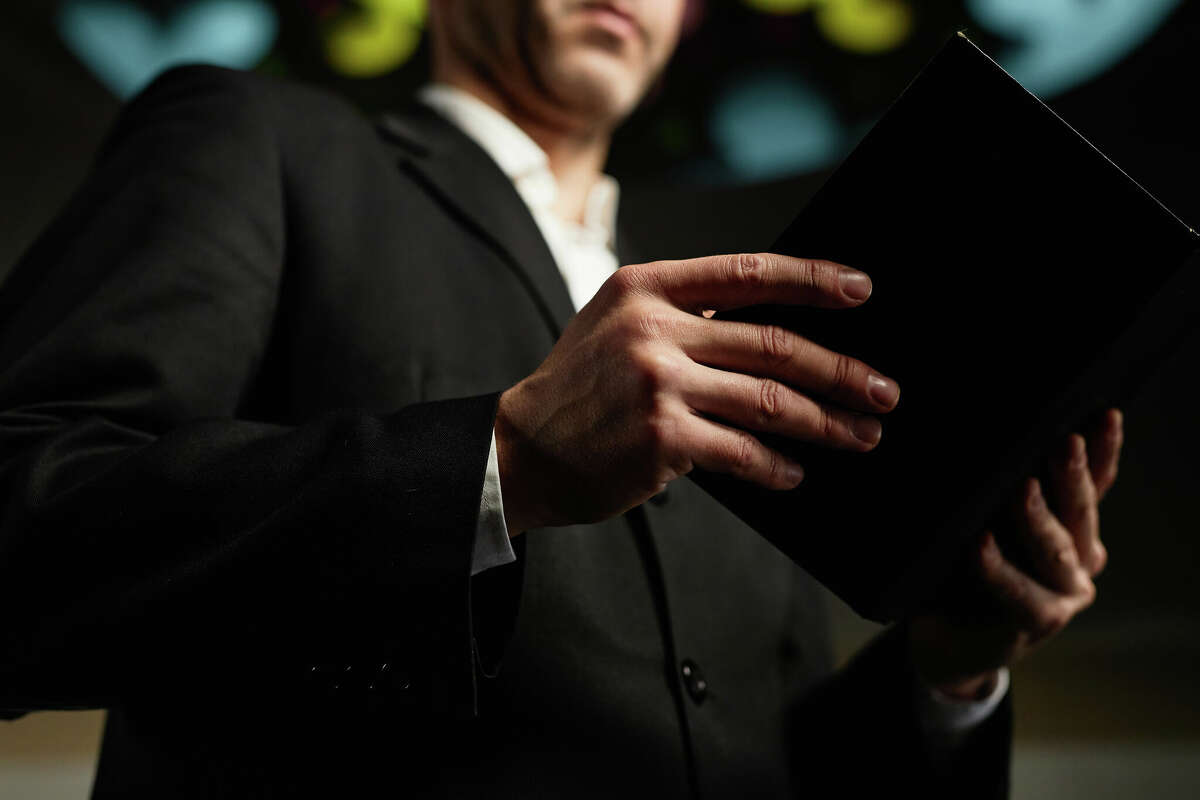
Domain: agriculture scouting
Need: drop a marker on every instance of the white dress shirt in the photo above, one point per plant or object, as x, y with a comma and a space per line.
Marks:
586, 255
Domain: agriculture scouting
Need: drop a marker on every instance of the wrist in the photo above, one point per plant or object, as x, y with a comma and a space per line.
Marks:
517, 516
926, 641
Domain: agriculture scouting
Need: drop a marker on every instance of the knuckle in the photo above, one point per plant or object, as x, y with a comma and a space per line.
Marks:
841, 374
655, 369
750, 269
770, 401
776, 345
663, 404
744, 450
628, 280
827, 424
661, 429
629, 323
1050, 620
1020, 593
1060, 614
1065, 554
826, 276
653, 325
811, 275
775, 474
642, 365
1088, 591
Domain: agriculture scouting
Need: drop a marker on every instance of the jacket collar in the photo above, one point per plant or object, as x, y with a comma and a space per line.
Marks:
510, 147
464, 178
519, 156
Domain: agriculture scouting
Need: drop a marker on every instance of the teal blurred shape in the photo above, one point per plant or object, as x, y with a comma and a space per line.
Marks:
125, 46
1064, 43
771, 124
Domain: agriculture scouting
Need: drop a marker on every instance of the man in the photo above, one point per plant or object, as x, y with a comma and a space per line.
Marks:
275, 379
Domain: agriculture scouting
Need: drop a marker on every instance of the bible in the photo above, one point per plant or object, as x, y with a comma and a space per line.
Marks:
1023, 283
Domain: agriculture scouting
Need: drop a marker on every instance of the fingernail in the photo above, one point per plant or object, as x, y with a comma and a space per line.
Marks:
794, 472
866, 429
882, 390
855, 285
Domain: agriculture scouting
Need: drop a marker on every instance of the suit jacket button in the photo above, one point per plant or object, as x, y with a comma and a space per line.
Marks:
693, 680
661, 498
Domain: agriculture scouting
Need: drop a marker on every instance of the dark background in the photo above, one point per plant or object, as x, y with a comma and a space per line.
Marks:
752, 114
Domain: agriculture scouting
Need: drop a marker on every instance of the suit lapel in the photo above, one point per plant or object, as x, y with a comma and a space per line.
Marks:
469, 183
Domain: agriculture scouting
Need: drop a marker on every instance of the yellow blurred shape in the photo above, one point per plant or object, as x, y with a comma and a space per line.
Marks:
860, 26
865, 26
376, 39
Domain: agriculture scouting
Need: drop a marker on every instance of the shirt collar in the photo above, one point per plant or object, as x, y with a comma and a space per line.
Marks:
518, 156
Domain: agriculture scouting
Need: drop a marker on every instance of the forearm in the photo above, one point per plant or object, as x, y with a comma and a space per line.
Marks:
241, 554
156, 538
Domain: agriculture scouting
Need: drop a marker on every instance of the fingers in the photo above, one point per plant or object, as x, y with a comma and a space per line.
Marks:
1075, 500
720, 448
764, 404
774, 351
737, 280
1104, 450
1083, 470
1049, 543
1040, 612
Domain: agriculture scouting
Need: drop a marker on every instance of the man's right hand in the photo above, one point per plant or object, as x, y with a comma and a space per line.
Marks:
642, 386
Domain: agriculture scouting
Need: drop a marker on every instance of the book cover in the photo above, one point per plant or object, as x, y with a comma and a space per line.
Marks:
1022, 284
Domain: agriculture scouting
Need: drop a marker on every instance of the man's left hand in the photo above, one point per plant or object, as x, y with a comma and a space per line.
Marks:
960, 653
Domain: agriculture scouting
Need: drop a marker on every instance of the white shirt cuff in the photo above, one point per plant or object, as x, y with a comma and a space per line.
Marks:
492, 545
941, 713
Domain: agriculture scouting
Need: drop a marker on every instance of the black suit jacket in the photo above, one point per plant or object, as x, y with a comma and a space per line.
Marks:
248, 378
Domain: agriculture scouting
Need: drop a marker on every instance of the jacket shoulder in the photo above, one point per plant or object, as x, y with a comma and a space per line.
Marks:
231, 99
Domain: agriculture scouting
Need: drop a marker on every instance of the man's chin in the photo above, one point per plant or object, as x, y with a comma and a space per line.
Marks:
602, 90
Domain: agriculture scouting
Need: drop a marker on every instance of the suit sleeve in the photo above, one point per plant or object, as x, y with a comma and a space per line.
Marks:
156, 543
860, 731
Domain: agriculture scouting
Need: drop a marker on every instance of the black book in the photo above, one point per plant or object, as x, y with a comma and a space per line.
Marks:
1022, 284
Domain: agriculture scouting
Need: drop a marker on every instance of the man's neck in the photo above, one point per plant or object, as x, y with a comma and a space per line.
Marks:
576, 155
